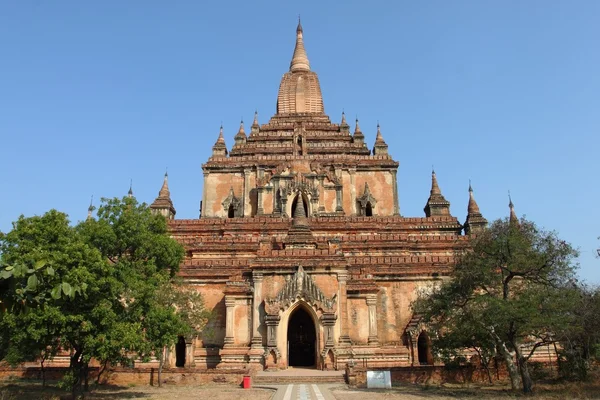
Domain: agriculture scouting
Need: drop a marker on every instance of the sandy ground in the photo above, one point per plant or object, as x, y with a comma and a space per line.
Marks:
26, 390
411, 392
29, 391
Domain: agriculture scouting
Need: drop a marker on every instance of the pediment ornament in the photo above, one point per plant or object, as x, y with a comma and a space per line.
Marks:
300, 286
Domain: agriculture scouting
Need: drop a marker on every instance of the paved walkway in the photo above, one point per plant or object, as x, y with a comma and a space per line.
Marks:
303, 391
299, 372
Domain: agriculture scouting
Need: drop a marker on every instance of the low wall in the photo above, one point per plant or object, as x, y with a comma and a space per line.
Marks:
138, 376
428, 374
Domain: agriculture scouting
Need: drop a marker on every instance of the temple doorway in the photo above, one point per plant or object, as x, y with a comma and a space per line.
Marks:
180, 352
423, 350
302, 339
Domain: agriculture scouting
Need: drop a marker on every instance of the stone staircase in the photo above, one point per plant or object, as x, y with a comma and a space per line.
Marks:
298, 375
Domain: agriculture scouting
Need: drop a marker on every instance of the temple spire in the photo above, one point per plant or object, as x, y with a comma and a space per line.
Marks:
472, 208
299, 234
513, 215
299, 59
91, 208
475, 221
344, 127
358, 138
380, 147
130, 192
220, 148
437, 203
163, 204
435, 188
255, 125
240, 137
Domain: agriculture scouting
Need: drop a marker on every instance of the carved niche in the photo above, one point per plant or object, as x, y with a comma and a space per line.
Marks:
365, 201
232, 203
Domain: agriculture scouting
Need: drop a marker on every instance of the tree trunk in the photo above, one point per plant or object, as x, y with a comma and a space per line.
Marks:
101, 372
86, 373
43, 371
160, 366
76, 371
524, 369
513, 371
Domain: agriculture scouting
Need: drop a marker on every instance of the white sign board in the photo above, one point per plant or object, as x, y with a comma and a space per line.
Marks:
379, 380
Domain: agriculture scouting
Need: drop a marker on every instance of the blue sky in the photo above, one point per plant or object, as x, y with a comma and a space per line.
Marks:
505, 93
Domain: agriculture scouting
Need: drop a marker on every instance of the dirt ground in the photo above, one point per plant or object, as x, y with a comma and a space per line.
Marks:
571, 391
19, 390
26, 390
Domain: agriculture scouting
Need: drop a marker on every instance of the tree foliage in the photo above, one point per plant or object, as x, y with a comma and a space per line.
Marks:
93, 289
506, 295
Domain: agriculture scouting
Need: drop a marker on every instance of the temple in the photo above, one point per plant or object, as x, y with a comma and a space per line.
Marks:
301, 248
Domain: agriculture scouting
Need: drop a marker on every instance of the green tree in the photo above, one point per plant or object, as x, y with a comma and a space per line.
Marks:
101, 277
579, 341
178, 310
53, 281
505, 294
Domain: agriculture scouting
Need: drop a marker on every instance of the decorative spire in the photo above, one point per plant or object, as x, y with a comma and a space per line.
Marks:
255, 128
435, 188
437, 203
472, 208
221, 138
91, 208
513, 215
164, 190
163, 204
240, 137
220, 148
299, 59
359, 138
380, 147
300, 235
344, 127
357, 128
475, 221
379, 137
130, 192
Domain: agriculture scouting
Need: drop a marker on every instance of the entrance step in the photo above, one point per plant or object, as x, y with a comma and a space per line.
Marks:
297, 375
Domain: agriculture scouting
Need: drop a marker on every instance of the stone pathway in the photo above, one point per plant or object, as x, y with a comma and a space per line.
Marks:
303, 391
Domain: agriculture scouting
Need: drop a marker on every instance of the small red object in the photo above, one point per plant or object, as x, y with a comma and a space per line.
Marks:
247, 383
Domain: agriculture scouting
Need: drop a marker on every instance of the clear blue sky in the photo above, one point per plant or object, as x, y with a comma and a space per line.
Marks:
505, 93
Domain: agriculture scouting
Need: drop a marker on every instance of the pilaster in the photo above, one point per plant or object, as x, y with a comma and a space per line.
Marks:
352, 173
257, 280
229, 321
372, 304
395, 189
246, 194
342, 277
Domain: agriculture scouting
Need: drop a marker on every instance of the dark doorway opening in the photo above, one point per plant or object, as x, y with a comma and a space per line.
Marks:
369, 210
299, 198
299, 145
423, 349
230, 212
301, 339
180, 352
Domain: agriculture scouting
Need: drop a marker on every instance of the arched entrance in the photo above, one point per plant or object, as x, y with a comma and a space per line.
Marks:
301, 335
423, 349
180, 352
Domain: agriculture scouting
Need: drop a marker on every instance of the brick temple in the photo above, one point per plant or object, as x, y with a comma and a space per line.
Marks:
301, 248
